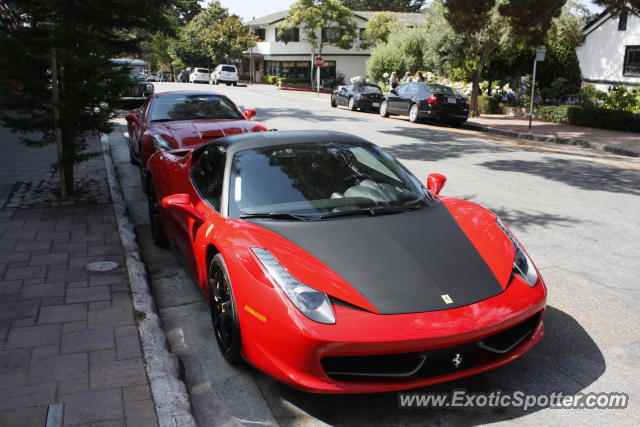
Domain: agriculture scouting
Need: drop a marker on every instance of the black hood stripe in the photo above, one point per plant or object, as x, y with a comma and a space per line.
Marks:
401, 263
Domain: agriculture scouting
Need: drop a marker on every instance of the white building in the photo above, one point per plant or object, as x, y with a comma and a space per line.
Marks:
287, 54
610, 53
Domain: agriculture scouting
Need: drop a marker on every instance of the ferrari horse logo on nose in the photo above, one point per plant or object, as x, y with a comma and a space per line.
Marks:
457, 360
447, 299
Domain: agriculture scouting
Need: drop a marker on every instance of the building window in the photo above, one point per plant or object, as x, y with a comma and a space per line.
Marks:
632, 61
331, 34
622, 21
288, 35
261, 34
299, 69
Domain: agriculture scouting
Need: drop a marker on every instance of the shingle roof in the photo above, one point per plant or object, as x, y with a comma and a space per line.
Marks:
405, 18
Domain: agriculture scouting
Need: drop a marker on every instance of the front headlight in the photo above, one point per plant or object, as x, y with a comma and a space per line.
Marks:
312, 303
161, 143
522, 264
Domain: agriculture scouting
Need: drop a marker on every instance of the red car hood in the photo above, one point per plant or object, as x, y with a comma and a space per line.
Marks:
191, 133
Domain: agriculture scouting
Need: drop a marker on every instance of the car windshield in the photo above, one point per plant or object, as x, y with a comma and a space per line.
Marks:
370, 89
229, 68
441, 90
193, 107
319, 180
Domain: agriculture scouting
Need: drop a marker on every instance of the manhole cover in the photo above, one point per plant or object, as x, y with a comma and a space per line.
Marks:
102, 266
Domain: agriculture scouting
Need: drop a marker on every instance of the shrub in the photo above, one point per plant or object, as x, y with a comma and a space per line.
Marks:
489, 105
285, 80
270, 79
600, 118
619, 98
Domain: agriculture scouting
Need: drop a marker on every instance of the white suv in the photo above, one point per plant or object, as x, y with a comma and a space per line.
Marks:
199, 75
225, 74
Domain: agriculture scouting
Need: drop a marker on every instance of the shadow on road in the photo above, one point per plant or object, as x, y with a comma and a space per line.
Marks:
434, 145
567, 360
577, 173
278, 113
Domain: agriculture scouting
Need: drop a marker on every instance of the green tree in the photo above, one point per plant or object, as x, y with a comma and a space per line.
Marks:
379, 27
385, 5
317, 15
227, 39
56, 80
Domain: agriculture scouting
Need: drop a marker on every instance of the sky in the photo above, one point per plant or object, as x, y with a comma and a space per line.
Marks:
249, 9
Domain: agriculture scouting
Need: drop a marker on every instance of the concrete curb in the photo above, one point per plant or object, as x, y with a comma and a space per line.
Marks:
551, 138
170, 396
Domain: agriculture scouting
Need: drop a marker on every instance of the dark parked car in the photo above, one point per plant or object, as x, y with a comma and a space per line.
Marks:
422, 101
364, 96
139, 88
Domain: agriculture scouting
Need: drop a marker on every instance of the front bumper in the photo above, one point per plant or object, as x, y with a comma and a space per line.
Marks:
295, 350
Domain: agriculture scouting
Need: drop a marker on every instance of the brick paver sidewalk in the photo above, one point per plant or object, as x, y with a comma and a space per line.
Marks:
67, 335
626, 140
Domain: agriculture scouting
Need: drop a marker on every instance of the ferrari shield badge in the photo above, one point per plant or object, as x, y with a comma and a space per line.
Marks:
447, 299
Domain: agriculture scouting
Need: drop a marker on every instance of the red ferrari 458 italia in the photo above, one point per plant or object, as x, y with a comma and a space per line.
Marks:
183, 119
330, 267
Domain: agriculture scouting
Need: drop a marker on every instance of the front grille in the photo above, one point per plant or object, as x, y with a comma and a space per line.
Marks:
431, 363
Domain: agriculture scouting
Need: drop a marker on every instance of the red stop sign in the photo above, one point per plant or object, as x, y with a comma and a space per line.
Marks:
318, 61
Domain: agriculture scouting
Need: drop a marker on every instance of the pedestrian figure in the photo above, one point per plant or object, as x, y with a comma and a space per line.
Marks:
407, 77
394, 82
419, 77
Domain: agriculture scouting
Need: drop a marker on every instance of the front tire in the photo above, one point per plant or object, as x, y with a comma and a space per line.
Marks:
413, 114
383, 109
235, 83
352, 104
157, 231
224, 315
334, 104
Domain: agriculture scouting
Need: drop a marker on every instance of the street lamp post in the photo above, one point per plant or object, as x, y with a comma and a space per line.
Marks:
540, 52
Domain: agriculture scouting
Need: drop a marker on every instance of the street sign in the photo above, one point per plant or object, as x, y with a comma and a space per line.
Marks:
318, 61
540, 51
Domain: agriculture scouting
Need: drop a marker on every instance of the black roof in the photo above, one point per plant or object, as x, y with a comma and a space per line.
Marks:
248, 141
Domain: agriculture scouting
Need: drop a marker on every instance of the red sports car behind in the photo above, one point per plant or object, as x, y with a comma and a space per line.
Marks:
329, 266
183, 119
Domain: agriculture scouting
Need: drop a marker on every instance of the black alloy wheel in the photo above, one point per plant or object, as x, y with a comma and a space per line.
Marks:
157, 232
224, 315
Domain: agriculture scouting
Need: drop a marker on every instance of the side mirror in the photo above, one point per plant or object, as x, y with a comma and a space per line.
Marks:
249, 114
435, 182
132, 117
182, 203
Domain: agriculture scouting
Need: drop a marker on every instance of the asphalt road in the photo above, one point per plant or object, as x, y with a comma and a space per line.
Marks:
576, 211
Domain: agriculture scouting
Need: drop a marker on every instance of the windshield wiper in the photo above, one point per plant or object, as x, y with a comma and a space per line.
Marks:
278, 215
377, 210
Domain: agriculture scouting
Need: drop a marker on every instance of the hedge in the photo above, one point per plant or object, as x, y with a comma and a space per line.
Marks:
489, 105
285, 80
594, 117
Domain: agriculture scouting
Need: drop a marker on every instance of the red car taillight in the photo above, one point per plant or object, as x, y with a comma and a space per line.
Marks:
432, 99
364, 95
466, 105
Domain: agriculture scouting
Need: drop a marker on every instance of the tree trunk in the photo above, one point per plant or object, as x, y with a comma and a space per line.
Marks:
313, 55
65, 172
489, 88
475, 90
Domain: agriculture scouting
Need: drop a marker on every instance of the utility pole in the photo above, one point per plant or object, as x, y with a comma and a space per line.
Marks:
540, 52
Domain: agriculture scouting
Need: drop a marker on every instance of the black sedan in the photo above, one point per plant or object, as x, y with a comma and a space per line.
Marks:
363, 96
422, 101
